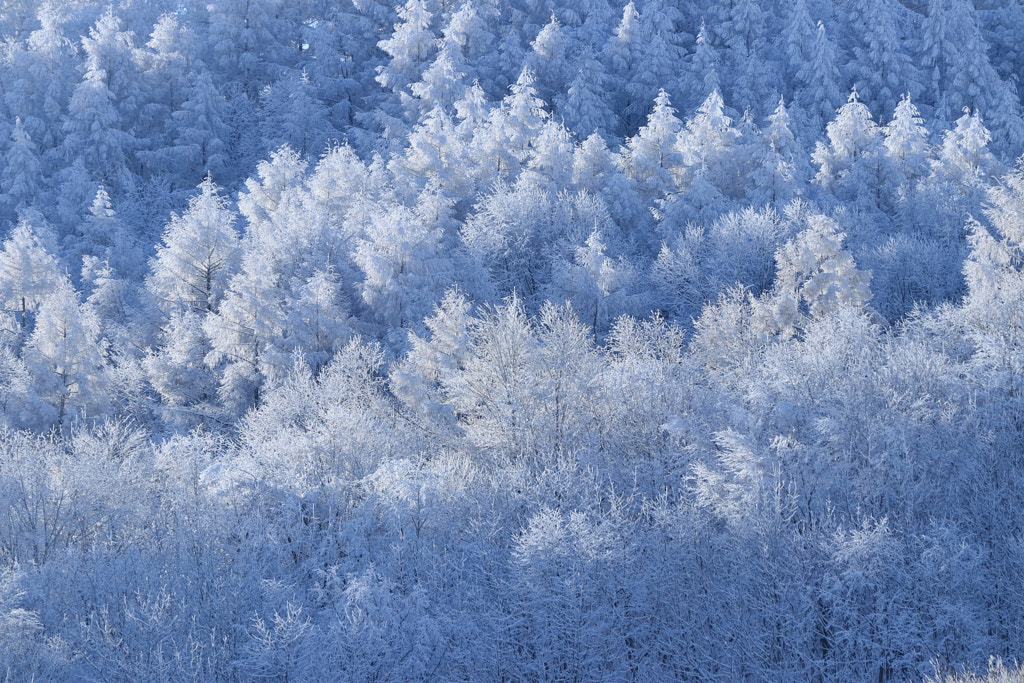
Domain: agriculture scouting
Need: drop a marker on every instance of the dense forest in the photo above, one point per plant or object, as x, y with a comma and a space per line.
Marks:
511, 340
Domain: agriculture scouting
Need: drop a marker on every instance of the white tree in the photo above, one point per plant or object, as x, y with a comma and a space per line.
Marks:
22, 172
198, 255
816, 275
651, 158
404, 268
28, 274
66, 354
906, 138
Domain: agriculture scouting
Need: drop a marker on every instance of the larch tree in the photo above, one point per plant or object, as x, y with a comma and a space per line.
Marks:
28, 274
651, 158
198, 255
818, 92
66, 354
201, 134
410, 47
701, 75
906, 138
94, 128
22, 173
881, 69
405, 271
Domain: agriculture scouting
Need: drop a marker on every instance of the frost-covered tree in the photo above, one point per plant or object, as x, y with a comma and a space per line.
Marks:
816, 276
66, 354
960, 74
200, 131
404, 267
410, 47
855, 157
906, 138
881, 68
964, 157
651, 158
198, 255
701, 76
28, 274
818, 91
22, 172
94, 128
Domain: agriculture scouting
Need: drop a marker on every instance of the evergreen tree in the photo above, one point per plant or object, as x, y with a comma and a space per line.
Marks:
110, 51
584, 105
200, 129
797, 37
816, 276
292, 114
93, 128
701, 77
409, 47
244, 334
742, 29
782, 164
855, 157
956, 54
964, 158
442, 83
404, 268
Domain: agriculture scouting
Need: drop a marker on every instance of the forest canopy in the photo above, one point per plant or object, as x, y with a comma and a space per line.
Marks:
511, 340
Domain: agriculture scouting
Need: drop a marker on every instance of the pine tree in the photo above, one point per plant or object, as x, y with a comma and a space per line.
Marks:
501, 145
404, 268
410, 46
550, 164
798, 35
701, 76
855, 157
292, 114
442, 83
816, 276
623, 56
93, 128
245, 333
547, 59
964, 157
742, 29
782, 164
248, 39
960, 74
111, 51
201, 133
584, 106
